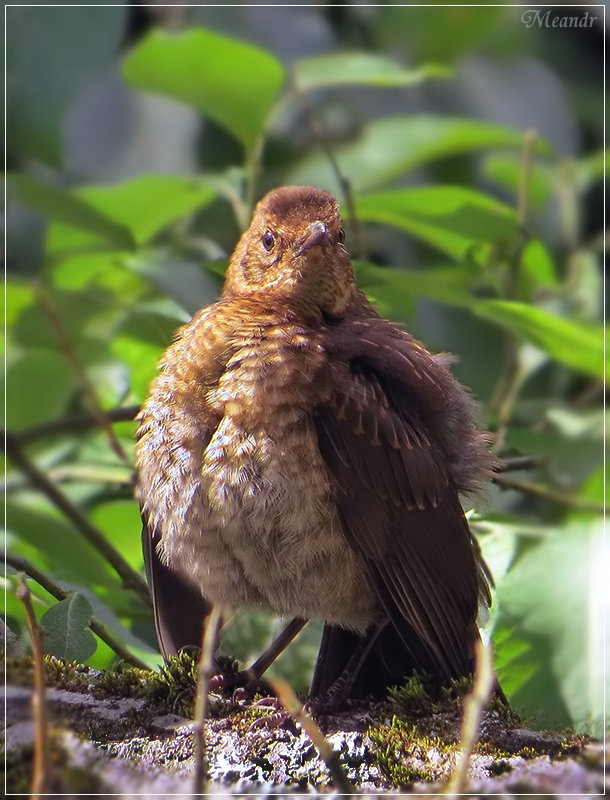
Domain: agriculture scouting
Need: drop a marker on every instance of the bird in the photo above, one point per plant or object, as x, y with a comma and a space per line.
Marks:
302, 454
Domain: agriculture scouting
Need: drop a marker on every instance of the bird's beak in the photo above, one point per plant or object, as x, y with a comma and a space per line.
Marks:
312, 236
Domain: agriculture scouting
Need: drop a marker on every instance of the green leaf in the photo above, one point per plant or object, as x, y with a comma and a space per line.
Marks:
17, 297
545, 636
505, 170
233, 82
66, 632
590, 169
53, 54
184, 281
451, 218
36, 531
584, 287
566, 461
59, 204
114, 518
144, 206
39, 386
576, 345
138, 343
389, 147
359, 68
397, 288
538, 267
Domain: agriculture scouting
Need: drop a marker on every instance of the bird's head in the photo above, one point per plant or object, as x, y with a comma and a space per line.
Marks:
294, 251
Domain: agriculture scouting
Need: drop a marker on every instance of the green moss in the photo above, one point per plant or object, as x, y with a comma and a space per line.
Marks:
421, 697
571, 746
412, 698
19, 670
62, 777
406, 754
500, 767
18, 765
508, 715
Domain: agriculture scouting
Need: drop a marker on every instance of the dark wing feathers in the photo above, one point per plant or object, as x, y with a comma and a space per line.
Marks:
400, 511
179, 609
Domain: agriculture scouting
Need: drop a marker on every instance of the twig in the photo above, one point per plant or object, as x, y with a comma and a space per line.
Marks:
474, 705
523, 190
23, 565
253, 156
74, 361
330, 757
204, 673
512, 375
130, 578
507, 388
40, 771
344, 182
77, 422
551, 495
518, 463
525, 174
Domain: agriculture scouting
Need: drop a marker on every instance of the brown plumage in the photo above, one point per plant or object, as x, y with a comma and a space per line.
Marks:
302, 454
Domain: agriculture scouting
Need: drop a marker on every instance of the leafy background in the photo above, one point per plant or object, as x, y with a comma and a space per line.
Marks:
466, 149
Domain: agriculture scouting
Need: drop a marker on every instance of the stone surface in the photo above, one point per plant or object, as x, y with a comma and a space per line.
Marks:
131, 744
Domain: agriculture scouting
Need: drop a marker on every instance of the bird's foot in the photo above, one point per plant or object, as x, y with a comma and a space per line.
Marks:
332, 699
224, 681
241, 683
277, 717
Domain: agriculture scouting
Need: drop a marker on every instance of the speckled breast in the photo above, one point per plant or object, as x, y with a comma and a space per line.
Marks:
251, 517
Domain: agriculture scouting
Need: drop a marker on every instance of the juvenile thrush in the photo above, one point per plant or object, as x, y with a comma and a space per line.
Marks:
300, 453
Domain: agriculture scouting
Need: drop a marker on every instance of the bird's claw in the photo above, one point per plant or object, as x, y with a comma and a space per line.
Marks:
278, 716
270, 722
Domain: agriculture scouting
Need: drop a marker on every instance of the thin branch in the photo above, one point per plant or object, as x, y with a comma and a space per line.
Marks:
346, 187
507, 388
525, 175
253, 157
330, 757
88, 389
511, 378
73, 424
205, 670
474, 706
40, 769
518, 463
47, 583
130, 578
544, 493
522, 209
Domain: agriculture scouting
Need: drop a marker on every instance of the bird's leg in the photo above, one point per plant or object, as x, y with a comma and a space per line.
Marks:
340, 689
247, 681
332, 697
277, 646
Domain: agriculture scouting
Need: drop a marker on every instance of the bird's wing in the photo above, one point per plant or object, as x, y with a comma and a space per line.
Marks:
179, 608
401, 513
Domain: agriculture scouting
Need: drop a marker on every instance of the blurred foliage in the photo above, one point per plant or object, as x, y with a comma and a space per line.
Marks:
484, 238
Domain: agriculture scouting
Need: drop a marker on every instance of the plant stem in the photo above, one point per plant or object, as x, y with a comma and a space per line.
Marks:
87, 387
204, 673
75, 423
561, 498
130, 578
47, 583
327, 754
346, 187
252, 165
474, 705
40, 769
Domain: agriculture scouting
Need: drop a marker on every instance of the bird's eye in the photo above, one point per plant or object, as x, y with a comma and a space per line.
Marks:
268, 240
341, 236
